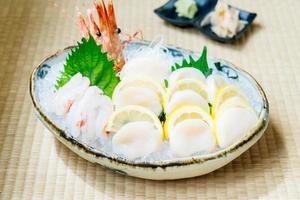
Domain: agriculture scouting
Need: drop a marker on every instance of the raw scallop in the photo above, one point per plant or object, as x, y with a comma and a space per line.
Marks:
186, 97
152, 66
186, 73
191, 136
234, 123
140, 96
137, 139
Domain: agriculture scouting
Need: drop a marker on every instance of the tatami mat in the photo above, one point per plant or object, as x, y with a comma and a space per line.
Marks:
34, 165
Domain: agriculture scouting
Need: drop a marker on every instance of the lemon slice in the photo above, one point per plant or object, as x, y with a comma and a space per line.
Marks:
186, 97
184, 73
235, 101
186, 84
129, 114
224, 93
139, 81
183, 113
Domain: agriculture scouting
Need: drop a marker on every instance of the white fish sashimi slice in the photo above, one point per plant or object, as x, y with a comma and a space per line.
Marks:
70, 92
104, 113
191, 136
137, 139
185, 73
214, 82
153, 67
232, 124
81, 110
140, 96
235, 101
83, 117
186, 97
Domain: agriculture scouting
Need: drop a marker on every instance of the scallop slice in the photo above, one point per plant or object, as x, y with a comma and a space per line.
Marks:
140, 91
235, 101
185, 73
141, 81
186, 84
190, 130
233, 124
191, 136
186, 97
137, 139
151, 66
225, 93
139, 96
89, 114
70, 92
214, 83
136, 132
132, 114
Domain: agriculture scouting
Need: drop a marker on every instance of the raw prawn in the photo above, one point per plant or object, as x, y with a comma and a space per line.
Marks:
106, 33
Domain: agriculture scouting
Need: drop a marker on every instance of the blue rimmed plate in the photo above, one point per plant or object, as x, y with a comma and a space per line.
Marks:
173, 168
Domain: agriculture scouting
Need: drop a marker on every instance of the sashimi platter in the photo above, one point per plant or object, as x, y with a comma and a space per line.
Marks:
146, 109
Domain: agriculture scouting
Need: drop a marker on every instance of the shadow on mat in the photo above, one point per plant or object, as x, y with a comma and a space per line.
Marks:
245, 175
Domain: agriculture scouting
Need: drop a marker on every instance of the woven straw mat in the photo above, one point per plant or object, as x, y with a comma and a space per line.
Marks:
34, 165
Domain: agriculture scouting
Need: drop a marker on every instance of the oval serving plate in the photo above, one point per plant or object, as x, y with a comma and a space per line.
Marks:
160, 169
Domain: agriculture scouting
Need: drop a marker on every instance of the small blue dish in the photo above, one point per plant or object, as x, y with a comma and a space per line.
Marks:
167, 12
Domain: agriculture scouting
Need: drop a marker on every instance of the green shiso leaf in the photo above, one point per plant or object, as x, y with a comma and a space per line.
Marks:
200, 64
88, 59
